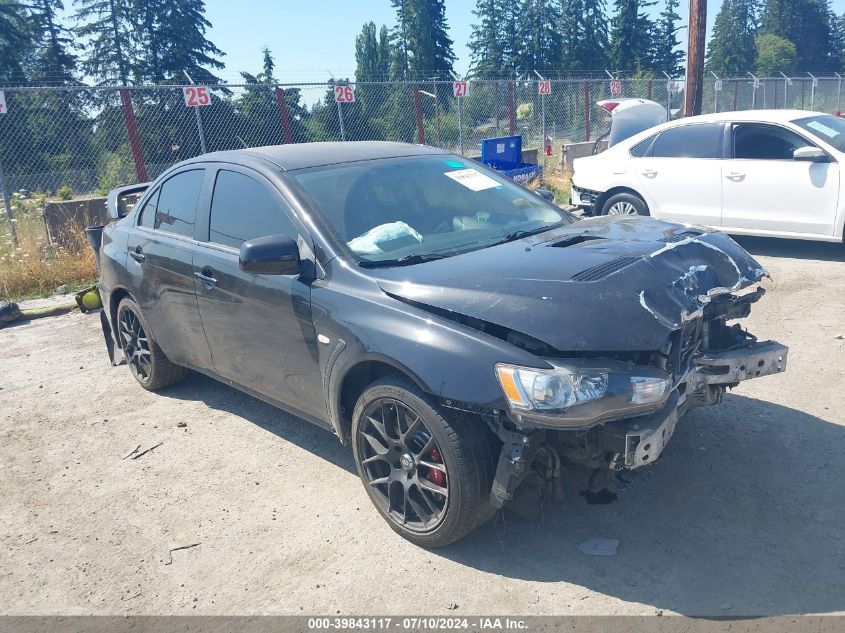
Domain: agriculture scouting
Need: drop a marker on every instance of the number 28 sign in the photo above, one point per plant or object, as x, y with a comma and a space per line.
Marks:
344, 94
196, 96
544, 87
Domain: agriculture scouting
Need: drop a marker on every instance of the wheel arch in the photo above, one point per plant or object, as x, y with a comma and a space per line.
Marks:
351, 382
117, 295
620, 189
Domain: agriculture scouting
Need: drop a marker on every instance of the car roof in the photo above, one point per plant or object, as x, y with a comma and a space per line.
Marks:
764, 116
302, 155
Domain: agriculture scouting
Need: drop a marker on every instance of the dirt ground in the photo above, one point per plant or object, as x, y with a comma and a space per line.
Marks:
743, 514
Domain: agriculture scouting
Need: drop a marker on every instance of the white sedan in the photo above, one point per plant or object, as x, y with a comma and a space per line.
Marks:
773, 173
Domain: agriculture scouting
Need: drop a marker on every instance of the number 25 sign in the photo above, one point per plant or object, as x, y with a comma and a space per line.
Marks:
196, 96
344, 94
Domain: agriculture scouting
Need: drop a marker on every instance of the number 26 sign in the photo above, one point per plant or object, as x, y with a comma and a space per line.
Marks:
196, 96
344, 94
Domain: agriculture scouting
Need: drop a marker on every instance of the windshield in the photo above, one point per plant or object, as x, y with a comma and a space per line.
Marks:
408, 210
828, 128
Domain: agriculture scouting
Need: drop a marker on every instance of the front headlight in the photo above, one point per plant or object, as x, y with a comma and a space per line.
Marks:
550, 390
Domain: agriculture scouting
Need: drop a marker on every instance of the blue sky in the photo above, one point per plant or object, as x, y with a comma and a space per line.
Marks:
311, 38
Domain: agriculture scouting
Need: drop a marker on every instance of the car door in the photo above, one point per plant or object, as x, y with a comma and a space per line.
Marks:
161, 251
765, 189
679, 170
259, 327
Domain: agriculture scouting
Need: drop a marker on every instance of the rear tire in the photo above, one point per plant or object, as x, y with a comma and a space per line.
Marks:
624, 204
150, 366
428, 476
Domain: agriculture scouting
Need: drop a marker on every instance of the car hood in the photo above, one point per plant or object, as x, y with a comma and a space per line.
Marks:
602, 284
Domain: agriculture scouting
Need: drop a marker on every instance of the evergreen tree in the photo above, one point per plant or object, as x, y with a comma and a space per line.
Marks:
172, 41
106, 24
541, 44
485, 43
584, 33
15, 41
732, 50
55, 61
512, 42
632, 36
809, 25
667, 56
421, 43
400, 39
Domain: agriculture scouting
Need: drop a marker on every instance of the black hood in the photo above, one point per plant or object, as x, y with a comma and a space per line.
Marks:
602, 284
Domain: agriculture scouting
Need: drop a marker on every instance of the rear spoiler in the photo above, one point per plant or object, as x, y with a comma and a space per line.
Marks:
116, 203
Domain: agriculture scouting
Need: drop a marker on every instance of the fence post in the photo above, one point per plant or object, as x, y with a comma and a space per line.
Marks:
133, 136
7, 202
736, 92
586, 110
420, 121
650, 88
511, 110
284, 115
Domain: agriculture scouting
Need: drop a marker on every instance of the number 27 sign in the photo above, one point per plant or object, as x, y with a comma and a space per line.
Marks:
196, 96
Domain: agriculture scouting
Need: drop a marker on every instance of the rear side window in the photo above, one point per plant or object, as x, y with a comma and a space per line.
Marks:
174, 207
689, 141
242, 209
643, 148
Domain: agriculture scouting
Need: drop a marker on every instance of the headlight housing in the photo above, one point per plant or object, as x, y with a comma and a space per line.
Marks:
550, 390
554, 391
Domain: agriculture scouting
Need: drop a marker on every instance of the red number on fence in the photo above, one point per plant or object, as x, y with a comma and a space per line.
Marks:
344, 94
460, 88
544, 87
616, 87
196, 96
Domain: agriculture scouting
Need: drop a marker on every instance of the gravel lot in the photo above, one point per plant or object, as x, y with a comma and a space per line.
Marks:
743, 514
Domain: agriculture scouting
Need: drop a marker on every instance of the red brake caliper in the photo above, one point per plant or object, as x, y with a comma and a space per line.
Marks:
437, 477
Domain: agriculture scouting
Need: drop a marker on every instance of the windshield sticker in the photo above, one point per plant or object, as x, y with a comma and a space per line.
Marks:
472, 179
454, 163
829, 132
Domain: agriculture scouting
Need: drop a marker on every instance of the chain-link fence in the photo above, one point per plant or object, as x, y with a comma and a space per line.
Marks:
90, 139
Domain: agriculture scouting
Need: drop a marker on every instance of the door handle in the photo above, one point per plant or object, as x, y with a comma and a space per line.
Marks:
138, 254
205, 276
649, 173
736, 176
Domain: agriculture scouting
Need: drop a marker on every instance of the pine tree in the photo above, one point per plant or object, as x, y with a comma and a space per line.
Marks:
431, 46
667, 56
732, 50
485, 44
15, 40
810, 26
172, 41
584, 33
632, 36
400, 39
512, 42
106, 24
541, 44
55, 61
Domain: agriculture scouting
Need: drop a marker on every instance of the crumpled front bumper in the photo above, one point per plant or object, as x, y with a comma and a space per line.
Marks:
647, 436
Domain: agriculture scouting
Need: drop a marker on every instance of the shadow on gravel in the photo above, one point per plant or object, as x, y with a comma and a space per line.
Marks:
792, 249
312, 438
743, 515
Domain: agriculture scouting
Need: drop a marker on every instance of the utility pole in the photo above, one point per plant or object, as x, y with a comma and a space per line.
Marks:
697, 32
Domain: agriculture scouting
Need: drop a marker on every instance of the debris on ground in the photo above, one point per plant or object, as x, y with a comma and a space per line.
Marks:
144, 452
182, 424
599, 546
132, 452
168, 555
452, 606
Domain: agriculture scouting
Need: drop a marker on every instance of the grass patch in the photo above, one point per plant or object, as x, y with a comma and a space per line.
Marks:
34, 267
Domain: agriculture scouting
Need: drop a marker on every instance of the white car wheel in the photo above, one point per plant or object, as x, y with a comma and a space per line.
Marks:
622, 208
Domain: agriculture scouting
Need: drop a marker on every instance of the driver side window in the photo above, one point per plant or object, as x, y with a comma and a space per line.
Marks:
753, 141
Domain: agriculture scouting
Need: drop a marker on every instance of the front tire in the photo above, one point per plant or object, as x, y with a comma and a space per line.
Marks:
150, 366
428, 477
624, 204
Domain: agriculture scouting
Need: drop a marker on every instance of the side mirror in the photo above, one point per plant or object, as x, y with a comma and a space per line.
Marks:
810, 155
271, 255
545, 193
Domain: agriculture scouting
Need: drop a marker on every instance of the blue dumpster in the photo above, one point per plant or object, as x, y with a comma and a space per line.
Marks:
504, 154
